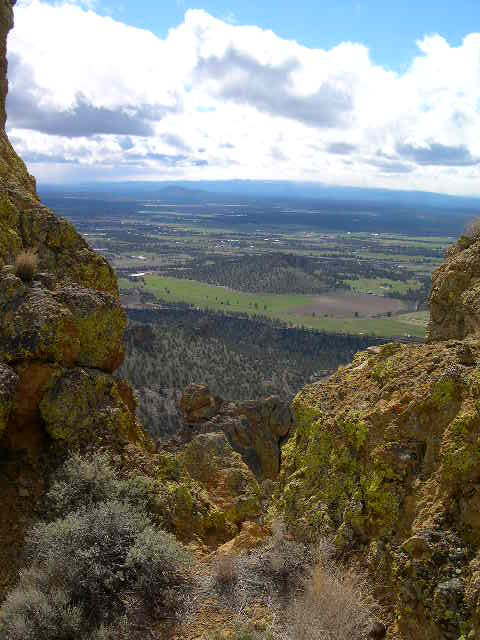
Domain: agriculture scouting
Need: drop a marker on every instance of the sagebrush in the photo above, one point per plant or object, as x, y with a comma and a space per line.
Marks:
101, 569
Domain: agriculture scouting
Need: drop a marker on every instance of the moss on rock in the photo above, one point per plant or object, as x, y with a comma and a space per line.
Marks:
391, 462
211, 461
85, 406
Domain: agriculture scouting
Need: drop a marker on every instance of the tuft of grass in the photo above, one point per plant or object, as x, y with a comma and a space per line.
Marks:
337, 602
225, 574
473, 229
26, 264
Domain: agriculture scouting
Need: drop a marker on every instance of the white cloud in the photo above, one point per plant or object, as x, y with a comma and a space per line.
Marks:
93, 97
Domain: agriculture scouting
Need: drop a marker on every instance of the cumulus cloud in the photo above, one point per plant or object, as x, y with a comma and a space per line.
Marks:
90, 96
342, 148
239, 77
438, 154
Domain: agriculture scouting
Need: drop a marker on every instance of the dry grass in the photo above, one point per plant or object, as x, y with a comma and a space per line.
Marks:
337, 603
473, 229
26, 264
225, 573
309, 593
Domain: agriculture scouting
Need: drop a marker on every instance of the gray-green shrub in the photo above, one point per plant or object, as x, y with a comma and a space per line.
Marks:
84, 481
100, 570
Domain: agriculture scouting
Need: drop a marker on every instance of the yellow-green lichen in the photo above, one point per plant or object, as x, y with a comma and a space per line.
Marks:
84, 403
460, 451
444, 391
385, 370
101, 337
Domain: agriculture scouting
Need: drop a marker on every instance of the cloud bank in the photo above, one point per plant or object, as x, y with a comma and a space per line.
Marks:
91, 97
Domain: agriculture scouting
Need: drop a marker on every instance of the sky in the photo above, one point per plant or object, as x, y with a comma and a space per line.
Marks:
364, 93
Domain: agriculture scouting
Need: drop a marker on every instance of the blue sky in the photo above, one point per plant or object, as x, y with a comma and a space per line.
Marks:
388, 28
365, 93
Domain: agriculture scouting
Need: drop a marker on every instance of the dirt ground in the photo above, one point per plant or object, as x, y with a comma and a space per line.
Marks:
345, 305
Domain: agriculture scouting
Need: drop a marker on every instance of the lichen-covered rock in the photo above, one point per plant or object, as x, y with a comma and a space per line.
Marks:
8, 386
182, 504
252, 535
253, 428
386, 459
34, 326
68, 325
455, 295
86, 406
61, 335
211, 461
100, 321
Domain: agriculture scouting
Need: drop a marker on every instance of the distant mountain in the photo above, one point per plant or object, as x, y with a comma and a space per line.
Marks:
204, 191
178, 193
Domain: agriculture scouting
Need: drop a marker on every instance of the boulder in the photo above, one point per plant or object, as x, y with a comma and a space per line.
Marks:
198, 404
85, 406
232, 487
100, 322
68, 325
254, 429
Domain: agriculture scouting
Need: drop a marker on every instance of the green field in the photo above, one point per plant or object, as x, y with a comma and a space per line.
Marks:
419, 318
289, 308
382, 287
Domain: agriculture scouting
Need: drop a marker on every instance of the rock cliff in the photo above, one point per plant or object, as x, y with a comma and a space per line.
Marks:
386, 459
455, 297
59, 345
61, 339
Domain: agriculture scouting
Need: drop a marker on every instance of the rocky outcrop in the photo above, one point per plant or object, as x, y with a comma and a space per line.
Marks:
45, 321
203, 494
254, 429
211, 461
386, 459
59, 345
455, 296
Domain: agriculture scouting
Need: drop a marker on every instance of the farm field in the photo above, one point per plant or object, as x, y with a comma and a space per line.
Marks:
334, 312
382, 286
335, 267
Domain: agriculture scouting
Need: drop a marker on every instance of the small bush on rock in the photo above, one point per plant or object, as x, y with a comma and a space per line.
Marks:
278, 569
271, 574
31, 613
158, 565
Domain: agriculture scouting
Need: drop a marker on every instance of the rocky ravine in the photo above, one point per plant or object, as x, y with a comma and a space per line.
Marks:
385, 455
